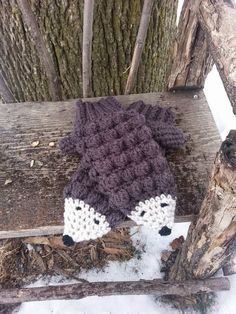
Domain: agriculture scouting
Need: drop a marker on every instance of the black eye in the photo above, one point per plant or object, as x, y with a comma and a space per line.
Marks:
142, 213
78, 208
96, 221
164, 204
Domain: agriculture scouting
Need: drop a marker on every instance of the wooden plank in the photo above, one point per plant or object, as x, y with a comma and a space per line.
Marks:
32, 200
53, 230
191, 59
87, 47
142, 287
140, 41
218, 20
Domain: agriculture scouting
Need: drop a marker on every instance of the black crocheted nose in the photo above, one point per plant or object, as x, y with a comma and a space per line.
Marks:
165, 231
67, 240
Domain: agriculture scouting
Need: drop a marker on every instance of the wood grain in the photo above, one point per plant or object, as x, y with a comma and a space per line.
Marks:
218, 20
191, 59
142, 287
34, 200
211, 240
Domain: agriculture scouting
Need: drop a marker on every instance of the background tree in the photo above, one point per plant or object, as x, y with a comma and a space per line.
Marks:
41, 48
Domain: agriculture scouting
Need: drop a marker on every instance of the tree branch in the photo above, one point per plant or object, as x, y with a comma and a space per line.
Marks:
140, 41
87, 47
141, 287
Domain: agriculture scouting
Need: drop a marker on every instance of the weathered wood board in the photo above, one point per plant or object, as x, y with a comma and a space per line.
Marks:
32, 201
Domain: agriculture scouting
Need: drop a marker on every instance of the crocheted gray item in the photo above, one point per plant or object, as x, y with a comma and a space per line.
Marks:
125, 164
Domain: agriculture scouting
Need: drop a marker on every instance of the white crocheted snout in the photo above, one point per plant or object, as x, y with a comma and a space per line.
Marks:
156, 212
82, 222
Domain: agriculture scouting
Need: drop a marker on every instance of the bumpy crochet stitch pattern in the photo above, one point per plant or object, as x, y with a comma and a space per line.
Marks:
124, 167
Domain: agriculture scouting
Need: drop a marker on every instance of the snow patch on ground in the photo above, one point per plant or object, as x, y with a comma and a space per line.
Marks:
145, 265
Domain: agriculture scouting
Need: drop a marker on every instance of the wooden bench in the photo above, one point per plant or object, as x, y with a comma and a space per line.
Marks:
32, 178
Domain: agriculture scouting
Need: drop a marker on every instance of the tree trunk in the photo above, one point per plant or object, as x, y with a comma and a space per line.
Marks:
211, 240
218, 20
191, 56
60, 26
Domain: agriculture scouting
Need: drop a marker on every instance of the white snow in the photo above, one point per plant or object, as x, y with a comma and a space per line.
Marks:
144, 266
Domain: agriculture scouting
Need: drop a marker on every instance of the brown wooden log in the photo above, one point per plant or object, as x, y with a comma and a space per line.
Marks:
140, 41
211, 240
43, 53
87, 47
141, 287
191, 60
218, 20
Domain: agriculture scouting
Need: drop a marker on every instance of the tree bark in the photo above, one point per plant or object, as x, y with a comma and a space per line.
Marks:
211, 239
115, 29
218, 20
191, 60
142, 287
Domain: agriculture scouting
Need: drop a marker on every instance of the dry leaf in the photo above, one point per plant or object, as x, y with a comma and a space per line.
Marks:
37, 240
39, 261
177, 243
35, 143
51, 144
31, 163
50, 263
93, 253
8, 181
113, 251
165, 255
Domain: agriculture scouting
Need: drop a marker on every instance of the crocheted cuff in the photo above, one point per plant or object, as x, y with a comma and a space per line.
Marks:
162, 123
86, 112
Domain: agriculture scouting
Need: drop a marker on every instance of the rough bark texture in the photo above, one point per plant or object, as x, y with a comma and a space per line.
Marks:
44, 55
218, 20
34, 197
60, 23
142, 287
211, 240
191, 60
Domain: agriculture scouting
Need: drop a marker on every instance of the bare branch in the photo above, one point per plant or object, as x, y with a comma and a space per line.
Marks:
142, 287
140, 41
87, 46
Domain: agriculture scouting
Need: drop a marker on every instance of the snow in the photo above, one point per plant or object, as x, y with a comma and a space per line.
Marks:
145, 266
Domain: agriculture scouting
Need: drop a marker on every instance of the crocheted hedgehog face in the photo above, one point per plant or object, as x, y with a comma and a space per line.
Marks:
157, 213
82, 222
